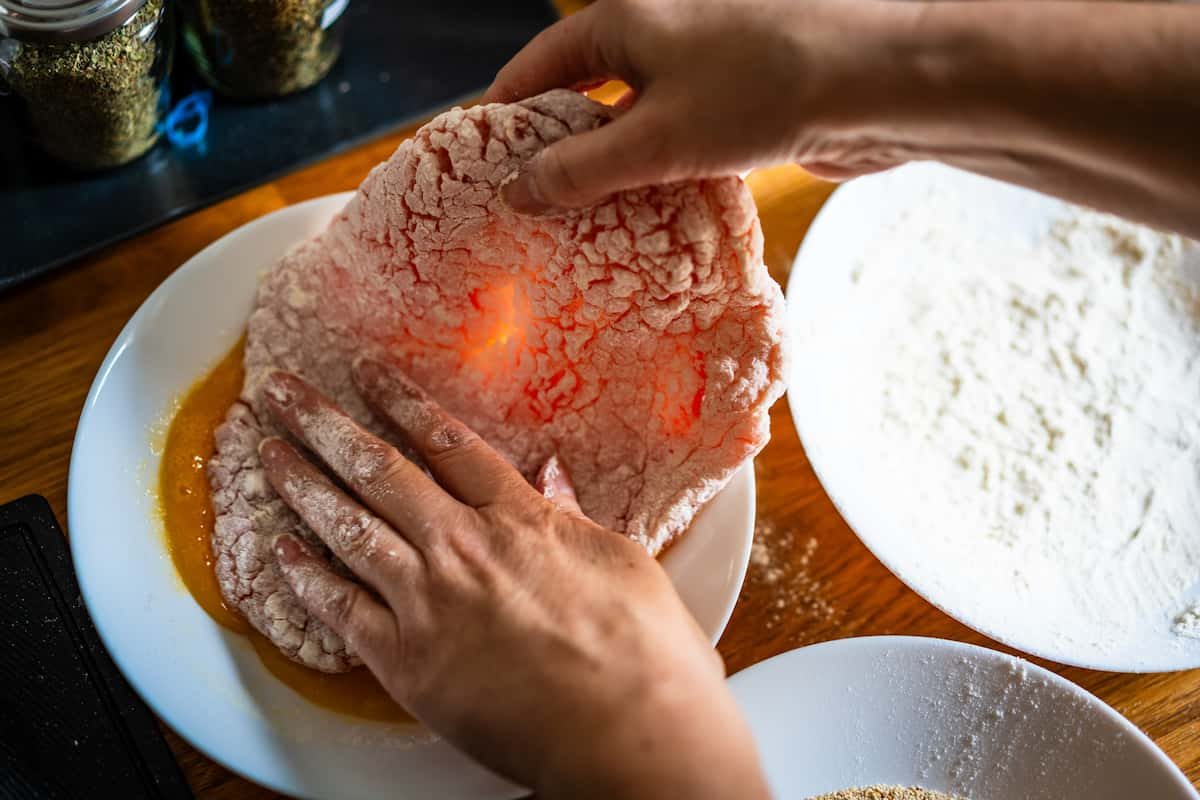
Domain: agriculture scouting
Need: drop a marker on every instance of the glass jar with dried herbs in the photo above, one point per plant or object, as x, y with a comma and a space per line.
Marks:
88, 79
263, 48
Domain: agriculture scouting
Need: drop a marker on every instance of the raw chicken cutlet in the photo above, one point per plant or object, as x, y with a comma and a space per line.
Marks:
641, 339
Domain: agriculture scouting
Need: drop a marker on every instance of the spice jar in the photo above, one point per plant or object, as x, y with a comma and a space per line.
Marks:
263, 48
88, 78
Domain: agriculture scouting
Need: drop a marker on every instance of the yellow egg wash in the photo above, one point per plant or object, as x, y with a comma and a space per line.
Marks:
185, 505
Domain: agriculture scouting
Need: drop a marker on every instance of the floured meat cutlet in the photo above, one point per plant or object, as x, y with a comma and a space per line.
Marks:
640, 339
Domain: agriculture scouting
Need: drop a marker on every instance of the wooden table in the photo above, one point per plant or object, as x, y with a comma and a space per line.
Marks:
813, 580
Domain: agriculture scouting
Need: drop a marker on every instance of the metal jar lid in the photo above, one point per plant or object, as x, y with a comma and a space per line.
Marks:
64, 20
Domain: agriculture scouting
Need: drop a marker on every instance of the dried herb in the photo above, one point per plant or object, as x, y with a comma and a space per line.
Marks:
263, 48
95, 104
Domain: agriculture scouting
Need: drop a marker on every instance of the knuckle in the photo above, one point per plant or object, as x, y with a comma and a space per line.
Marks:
464, 548
340, 610
466, 545
515, 520
380, 482
356, 532
448, 441
368, 457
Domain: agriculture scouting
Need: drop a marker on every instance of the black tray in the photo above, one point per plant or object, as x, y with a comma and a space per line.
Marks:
402, 59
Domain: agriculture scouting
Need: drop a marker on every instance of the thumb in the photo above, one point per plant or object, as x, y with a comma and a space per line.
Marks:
555, 485
584, 169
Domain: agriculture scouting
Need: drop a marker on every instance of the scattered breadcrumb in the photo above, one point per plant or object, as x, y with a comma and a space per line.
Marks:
886, 793
781, 564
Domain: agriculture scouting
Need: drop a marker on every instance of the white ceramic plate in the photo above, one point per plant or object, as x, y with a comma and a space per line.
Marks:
836, 429
945, 716
206, 682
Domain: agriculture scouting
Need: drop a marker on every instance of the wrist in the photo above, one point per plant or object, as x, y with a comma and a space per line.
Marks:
924, 81
681, 736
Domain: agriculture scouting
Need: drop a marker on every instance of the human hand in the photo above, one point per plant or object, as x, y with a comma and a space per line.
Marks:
718, 87
1091, 107
552, 650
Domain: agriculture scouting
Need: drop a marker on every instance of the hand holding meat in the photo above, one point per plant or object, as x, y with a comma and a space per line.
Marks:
1098, 108
549, 648
718, 87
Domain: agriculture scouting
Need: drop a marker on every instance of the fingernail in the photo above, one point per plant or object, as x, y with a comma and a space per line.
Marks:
287, 549
552, 480
547, 477
520, 193
266, 447
374, 378
280, 387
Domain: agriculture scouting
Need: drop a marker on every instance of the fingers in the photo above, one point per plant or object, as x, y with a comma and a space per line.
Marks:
555, 485
347, 608
463, 463
631, 151
389, 483
371, 549
586, 168
563, 55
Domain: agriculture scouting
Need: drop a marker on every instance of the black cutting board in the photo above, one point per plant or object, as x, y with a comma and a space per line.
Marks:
71, 728
402, 59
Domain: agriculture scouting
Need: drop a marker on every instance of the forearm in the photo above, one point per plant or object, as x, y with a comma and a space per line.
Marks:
1095, 102
679, 740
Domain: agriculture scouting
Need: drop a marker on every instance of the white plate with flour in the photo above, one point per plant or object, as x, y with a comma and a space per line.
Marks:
206, 682
999, 392
945, 716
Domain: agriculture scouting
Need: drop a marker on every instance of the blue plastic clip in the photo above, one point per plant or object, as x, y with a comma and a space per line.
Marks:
187, 124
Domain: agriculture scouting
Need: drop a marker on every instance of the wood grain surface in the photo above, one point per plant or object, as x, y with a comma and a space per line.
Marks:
811, 581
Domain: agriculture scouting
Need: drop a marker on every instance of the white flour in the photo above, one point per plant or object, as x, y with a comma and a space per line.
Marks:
1038, 411
1188, 623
